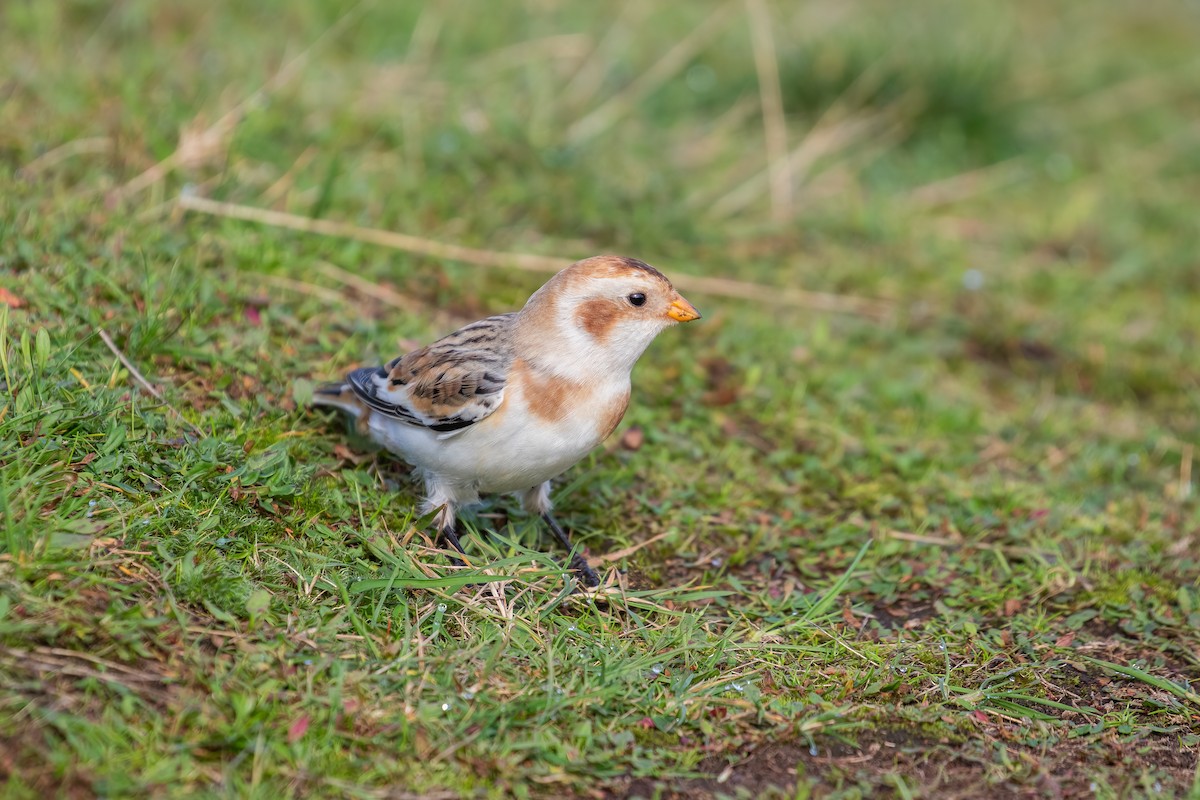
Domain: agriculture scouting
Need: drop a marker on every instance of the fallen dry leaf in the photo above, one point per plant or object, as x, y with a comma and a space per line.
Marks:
297, 729
9, 299
345, 454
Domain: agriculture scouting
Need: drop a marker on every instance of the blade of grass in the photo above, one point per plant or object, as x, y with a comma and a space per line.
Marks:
823, 605
1146, 678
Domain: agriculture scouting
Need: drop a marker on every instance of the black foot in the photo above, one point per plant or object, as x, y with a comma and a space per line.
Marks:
450, 536
578, 564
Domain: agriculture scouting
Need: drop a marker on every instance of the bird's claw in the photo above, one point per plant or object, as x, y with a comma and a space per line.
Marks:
583, 570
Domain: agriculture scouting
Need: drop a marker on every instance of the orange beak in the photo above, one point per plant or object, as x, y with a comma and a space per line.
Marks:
681, 310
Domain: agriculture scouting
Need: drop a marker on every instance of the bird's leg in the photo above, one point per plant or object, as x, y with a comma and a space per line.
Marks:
578, 563
450, 535
536, 500
447, 525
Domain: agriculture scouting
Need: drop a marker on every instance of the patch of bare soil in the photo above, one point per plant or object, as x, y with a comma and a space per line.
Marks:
880, 760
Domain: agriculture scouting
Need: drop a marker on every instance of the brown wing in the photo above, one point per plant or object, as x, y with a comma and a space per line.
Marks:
447, 386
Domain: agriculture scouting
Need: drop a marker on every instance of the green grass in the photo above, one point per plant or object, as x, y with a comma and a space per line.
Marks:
952, 550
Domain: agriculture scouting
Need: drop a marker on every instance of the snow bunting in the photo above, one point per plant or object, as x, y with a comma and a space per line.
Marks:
510, 402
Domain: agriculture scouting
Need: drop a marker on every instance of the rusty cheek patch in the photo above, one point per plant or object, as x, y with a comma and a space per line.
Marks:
597, 317
613, 414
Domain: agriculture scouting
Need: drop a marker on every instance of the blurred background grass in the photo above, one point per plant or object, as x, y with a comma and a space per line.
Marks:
1016, 181
1049, 156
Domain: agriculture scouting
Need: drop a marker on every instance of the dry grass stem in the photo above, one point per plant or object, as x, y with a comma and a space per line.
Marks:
141, 379
589, 77
424, 39
695, 151
940, 541
1185, 471
617, 106
300, 287
840, 126
529, 262
396, 241
625, 552
370, 288
968, 184
543, 52
826, 138
774, 124
278, 190
199, 145
89, 145
1135, 94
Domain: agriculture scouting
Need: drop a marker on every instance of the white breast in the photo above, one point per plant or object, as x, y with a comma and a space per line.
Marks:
512, 450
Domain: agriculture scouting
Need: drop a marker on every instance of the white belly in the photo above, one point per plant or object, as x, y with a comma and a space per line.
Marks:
512, 450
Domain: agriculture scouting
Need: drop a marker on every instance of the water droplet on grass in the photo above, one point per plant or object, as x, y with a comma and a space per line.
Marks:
657, 669
445, 706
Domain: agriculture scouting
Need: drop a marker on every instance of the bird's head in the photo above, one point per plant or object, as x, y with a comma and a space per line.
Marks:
604, 311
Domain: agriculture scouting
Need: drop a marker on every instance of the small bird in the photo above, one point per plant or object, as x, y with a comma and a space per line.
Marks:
510, 402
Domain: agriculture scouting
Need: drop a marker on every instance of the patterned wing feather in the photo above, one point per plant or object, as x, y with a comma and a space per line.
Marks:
447, 386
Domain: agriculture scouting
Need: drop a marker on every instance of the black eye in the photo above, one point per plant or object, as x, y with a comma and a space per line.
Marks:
637, 299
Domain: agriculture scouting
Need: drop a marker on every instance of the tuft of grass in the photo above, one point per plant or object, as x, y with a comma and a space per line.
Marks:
947, 548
